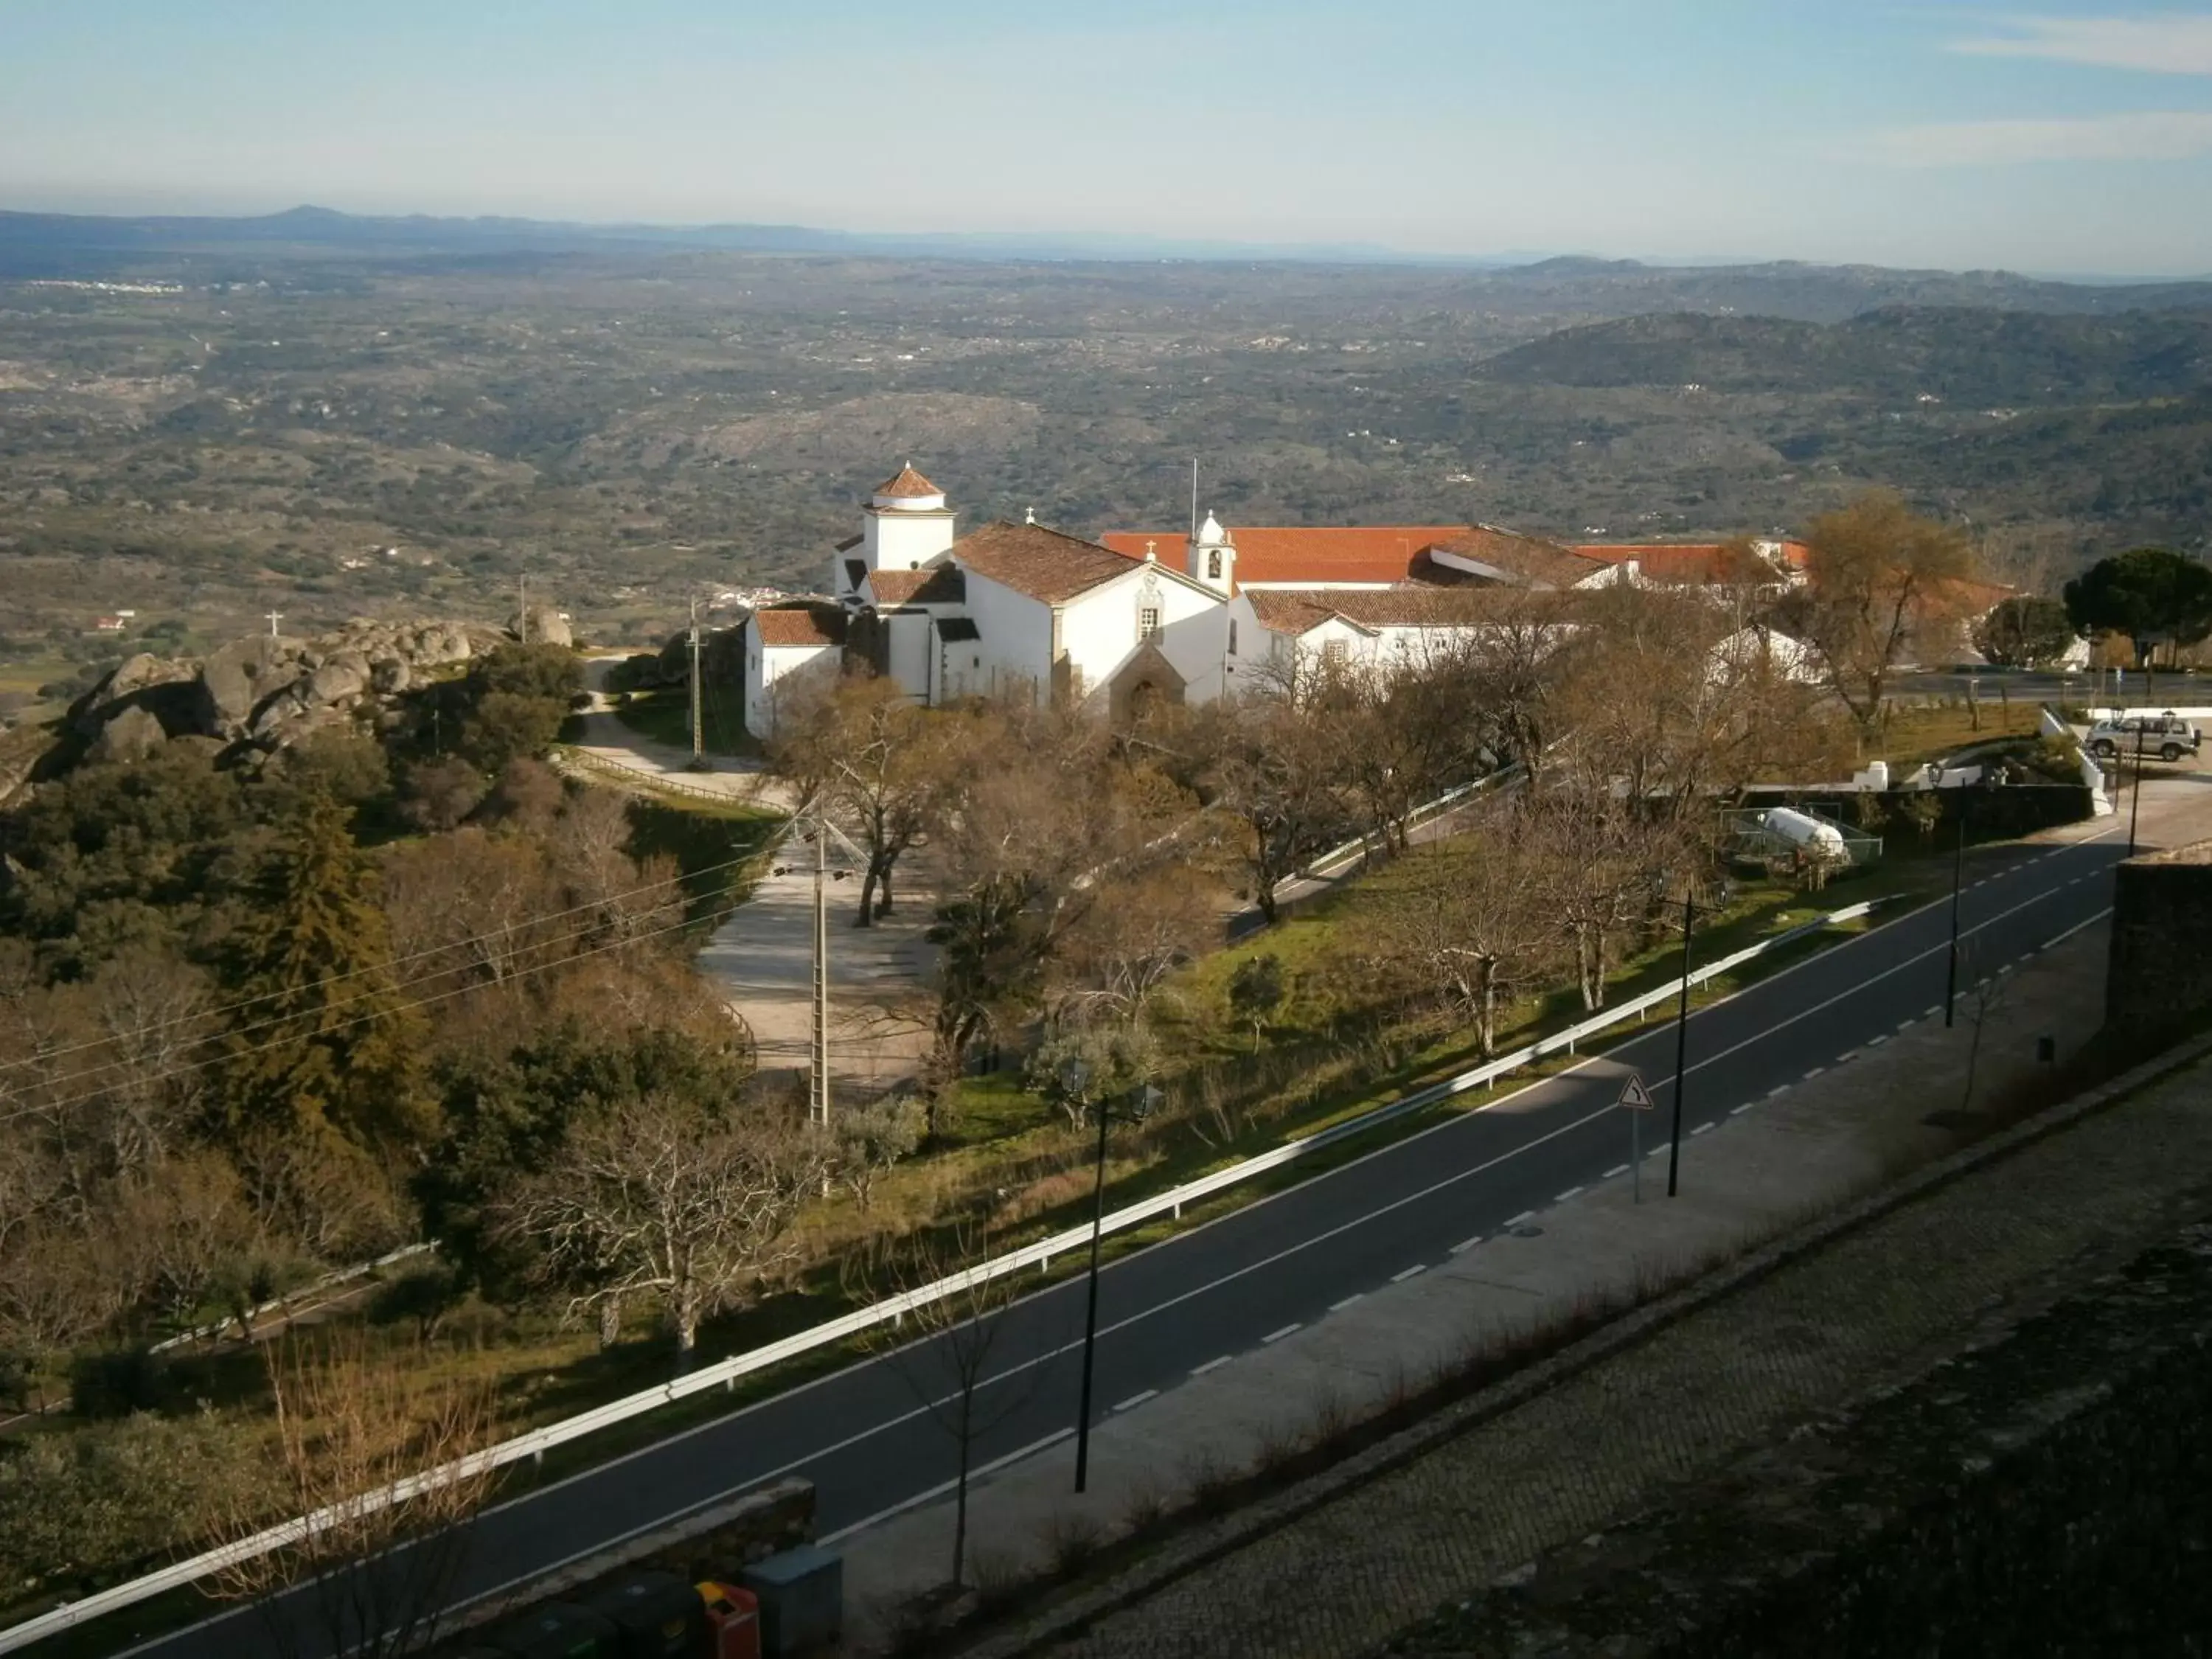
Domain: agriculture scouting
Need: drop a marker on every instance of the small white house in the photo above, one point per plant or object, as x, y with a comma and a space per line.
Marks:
788, 648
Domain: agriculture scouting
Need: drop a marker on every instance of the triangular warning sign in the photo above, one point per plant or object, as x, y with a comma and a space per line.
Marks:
1633, 1095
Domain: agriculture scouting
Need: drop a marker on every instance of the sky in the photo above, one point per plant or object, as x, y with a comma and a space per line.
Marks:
2063, 138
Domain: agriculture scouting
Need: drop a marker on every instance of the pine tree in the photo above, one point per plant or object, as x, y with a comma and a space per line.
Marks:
327, 1046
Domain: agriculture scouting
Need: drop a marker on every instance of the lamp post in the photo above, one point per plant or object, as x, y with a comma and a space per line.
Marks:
1681, 1047
1142, 1099
2135, 800
1958, 876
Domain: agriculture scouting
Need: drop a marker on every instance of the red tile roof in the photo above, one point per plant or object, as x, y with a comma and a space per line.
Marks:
1529, 557
907, 484
1683, 563
801, 625
1042, 563
1409, 604
1315, 554
939, 584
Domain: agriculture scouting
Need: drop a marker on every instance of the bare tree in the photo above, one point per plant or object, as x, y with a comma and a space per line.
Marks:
373, 1447
1269, 764
671, 1197
949, 1350
1464, 923
1876, 571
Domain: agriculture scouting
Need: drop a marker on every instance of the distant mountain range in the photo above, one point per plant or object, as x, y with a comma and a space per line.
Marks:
86, 246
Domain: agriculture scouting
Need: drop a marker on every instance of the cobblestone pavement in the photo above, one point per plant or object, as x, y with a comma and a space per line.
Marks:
1877, 1305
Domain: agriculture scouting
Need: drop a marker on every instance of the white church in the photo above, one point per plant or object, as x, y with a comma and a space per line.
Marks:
1023, 609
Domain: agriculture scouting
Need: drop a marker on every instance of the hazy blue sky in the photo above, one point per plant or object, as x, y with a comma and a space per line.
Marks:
2070, 138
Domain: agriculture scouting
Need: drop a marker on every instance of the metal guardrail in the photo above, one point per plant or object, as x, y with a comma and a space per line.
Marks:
283, 1303
725, 1374
1420, 815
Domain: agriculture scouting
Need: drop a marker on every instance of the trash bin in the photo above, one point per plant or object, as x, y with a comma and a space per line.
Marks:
656, 1615
734, 1614
557, 1630
802, 1599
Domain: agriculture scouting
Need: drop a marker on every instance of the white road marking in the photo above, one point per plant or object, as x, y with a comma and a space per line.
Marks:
1525, 1216
1814, 1073
1465, 1244
1877, 1039
1701, 1128
1618, 1170
1136, 1399
1571, 1192
943, 1487
1907, 1025
1778, 1088
1212, 1365
1338, 1307
1399, 1279
1277, 1336
1738, 1111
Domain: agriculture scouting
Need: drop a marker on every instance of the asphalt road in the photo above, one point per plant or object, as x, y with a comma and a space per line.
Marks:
867, 1437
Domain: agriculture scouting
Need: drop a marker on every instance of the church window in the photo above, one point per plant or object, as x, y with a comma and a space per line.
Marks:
1213, 565
1332, 654
1148, 621
1232, 637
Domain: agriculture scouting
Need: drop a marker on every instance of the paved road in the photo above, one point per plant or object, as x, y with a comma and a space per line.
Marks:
864, 1435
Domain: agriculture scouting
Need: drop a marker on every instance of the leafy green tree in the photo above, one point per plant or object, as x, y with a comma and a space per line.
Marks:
324, 1046
507, 727
551, 672
2028, 632
2152, 595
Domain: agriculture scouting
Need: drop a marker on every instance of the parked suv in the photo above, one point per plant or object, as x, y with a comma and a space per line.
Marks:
2162, 735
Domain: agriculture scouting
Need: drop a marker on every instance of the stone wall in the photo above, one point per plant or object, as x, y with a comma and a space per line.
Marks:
2160, 976
2051, 1493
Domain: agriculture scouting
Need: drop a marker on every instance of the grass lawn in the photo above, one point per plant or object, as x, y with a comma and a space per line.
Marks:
1926, 732
666, 717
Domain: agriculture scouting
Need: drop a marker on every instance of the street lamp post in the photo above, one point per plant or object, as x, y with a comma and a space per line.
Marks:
1958, 876
2135, 800
1681, 1047
1073, 1076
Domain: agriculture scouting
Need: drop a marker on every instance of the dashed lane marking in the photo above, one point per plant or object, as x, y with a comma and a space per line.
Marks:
1571, 1192
1338, 1307
1399, 1279
1524, 1217
1138, 1400
1212, 1365
1618, 1170
1277, 1336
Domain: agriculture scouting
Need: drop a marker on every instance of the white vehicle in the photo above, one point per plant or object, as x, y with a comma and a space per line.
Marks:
2165, 736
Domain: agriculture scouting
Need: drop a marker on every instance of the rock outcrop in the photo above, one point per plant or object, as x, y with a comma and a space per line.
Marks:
266, 692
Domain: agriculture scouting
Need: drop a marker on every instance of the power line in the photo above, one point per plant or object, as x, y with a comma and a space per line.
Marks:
396, 961
406, 1007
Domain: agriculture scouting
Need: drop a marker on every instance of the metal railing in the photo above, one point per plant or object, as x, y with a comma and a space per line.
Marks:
724, 1374
638, 777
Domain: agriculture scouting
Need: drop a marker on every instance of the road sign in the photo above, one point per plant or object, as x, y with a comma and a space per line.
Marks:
1638, 1100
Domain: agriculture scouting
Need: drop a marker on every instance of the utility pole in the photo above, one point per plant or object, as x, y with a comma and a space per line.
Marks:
817, 1103
1681, 1047
522, 609
1958, 882
698, 731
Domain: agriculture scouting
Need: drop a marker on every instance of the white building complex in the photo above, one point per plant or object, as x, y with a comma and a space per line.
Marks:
1176, 615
